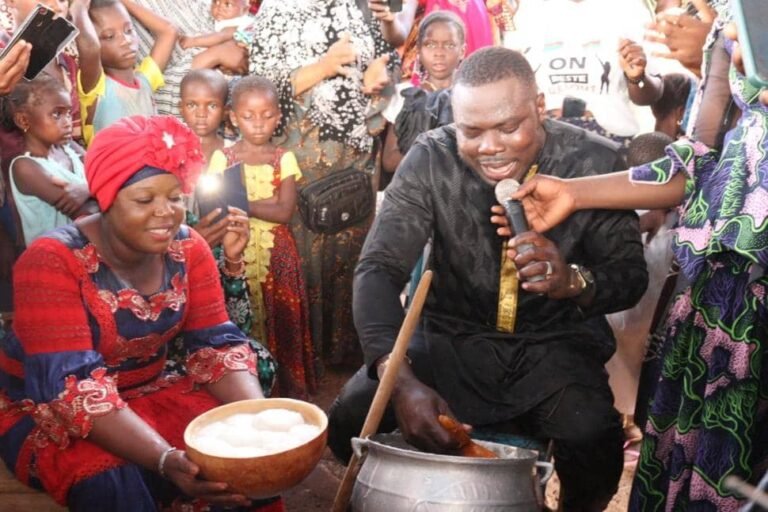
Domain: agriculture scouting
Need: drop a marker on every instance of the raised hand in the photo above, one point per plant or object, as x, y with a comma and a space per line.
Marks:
338, 57
380, 10
632, 59
376, 77
13, 66
212, 232
237, 233
732, 33
547, 202
543, 259
683, 35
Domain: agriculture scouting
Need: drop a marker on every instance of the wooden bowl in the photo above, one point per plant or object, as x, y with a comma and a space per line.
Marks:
268, 475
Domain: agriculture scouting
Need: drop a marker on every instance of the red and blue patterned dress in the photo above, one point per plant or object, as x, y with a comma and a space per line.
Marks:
84, 344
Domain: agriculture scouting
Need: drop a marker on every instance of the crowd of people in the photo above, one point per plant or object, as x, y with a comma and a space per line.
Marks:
135, 306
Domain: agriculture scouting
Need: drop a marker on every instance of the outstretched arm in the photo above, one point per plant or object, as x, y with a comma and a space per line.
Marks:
395, 27
207, 40
548, 200
13, 66
644, 89
88, 46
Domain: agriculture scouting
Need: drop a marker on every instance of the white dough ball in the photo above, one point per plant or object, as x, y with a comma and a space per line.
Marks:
240, 437
240, 420
277, 419
303, 433
214, 429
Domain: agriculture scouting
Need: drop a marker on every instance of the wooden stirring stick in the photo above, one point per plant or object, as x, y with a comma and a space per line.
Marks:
384, 391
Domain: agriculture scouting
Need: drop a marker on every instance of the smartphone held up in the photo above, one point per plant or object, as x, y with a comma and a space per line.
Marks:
395, 5
751, 18
47, 33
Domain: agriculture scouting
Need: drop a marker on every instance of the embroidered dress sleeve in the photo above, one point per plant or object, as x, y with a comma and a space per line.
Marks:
683, 155
63, 374
149, 69
214, 344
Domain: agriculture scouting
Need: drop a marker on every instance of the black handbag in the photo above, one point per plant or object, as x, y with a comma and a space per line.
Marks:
336, 201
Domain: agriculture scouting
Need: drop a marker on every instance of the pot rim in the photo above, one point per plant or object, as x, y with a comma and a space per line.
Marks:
529, 456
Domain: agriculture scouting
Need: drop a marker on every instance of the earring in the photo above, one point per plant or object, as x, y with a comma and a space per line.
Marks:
25, 129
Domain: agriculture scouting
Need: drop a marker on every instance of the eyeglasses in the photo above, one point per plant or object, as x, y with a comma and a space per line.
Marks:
434, 45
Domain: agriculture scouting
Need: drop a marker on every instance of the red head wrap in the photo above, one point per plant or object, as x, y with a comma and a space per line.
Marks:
132, 143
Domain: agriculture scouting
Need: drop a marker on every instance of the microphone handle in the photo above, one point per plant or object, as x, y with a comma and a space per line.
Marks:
516, 219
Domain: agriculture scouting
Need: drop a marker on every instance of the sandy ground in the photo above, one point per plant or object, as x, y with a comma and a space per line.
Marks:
317, 491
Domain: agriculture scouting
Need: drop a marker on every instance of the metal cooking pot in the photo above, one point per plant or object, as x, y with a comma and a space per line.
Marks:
397, 477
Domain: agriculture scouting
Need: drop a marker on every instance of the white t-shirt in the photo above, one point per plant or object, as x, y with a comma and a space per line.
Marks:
238, 23
572, 46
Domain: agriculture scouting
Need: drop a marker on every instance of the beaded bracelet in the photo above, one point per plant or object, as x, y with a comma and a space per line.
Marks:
234, 262
163, 457
238, 274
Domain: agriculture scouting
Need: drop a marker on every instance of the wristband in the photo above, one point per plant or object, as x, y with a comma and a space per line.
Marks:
640, 82
163, 457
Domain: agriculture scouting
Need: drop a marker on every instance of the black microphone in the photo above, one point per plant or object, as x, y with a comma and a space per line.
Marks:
515, 214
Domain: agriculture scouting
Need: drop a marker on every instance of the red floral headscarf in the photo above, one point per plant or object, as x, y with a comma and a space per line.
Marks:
132, 143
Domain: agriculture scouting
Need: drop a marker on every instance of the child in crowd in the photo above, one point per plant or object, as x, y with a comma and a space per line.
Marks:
64, 67
110, 85
229, 16
203, 106
440, 45
48, 180
632, 326
670, 109
273, 268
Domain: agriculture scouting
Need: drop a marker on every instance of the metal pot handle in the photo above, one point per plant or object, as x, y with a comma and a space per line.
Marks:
359, 445
547, 467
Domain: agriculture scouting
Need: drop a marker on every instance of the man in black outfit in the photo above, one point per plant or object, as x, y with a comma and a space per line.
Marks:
493, 348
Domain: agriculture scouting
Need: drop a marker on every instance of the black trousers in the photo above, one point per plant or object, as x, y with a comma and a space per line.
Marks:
581, 421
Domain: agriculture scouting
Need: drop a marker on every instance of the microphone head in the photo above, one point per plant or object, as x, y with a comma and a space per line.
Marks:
505, 188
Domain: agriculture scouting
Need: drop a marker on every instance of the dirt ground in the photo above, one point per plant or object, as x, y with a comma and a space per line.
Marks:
317, 491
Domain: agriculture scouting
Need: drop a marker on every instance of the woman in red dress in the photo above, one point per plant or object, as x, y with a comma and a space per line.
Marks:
87, 413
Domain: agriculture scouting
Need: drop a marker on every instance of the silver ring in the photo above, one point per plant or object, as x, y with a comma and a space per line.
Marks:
550, 270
